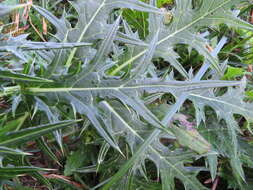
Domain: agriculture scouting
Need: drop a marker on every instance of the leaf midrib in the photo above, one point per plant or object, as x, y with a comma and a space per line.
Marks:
192, 23
168, 37
72, 53
138, 87
151, 148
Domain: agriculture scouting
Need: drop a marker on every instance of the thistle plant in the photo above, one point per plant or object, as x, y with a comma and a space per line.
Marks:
97, 84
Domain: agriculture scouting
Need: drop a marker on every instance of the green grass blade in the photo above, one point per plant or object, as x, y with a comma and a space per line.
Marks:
21, 77
13, 125
10, 151
10, 172
33, 132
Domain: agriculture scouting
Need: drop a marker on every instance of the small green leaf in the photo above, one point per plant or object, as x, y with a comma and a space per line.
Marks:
74, 161
191, 139
233, 72
161, 3
249, 94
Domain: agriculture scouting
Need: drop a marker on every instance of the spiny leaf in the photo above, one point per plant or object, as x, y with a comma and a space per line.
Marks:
154, 134
96, 17
153, 154
115, 104
5, 9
